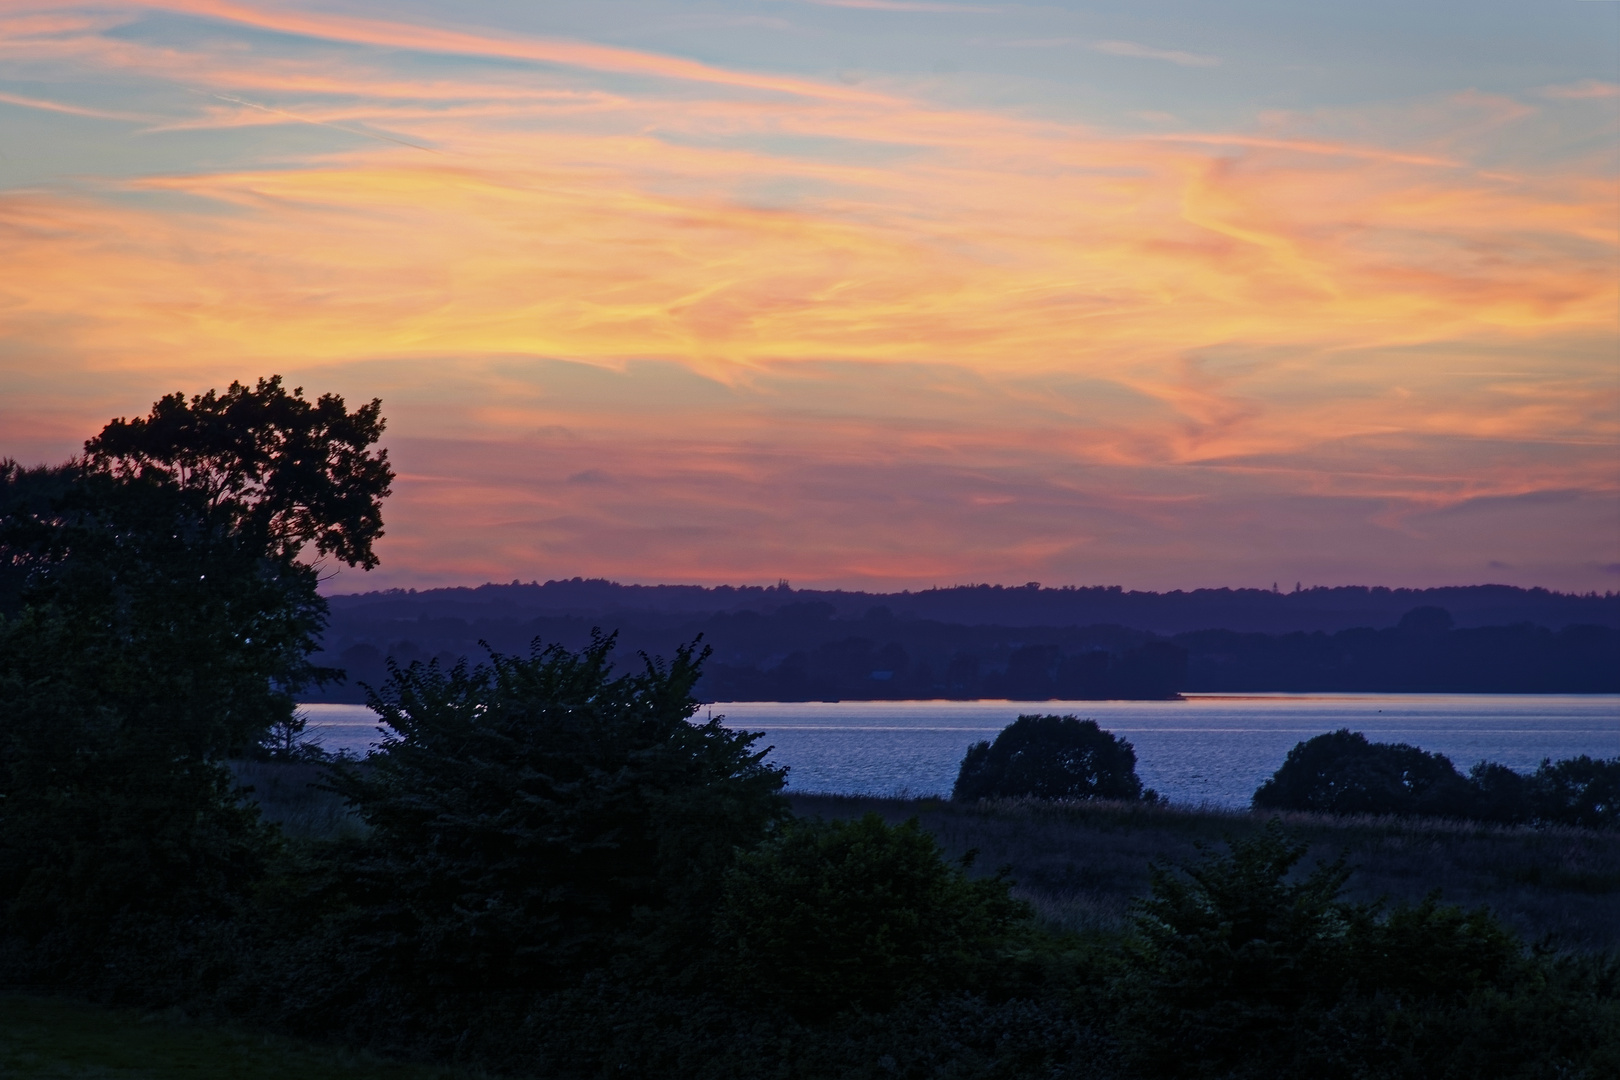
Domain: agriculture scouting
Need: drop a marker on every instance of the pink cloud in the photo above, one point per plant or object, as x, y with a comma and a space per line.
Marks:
1147, 52
1585, 89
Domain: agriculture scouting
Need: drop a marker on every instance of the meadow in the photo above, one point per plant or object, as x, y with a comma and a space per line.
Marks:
52, 1039
1080, 864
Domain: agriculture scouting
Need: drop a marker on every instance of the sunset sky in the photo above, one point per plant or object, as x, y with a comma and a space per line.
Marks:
871, 293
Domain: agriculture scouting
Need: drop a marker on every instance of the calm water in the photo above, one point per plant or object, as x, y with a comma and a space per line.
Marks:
1211, 748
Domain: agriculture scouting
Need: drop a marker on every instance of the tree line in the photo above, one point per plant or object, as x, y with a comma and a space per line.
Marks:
1339, 772
801, 652
1328, 609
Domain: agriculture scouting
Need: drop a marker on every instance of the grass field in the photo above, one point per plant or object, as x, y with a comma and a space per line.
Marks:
291, 795
49, 1039
1080, 863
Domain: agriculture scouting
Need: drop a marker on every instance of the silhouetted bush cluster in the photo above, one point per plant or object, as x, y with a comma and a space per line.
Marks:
529, 816
1341, 772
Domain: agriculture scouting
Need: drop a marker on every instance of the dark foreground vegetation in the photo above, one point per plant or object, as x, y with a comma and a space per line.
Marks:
1082, 863
58, 1039
550, 870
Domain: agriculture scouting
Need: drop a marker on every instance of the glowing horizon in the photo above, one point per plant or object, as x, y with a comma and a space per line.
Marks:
656, 298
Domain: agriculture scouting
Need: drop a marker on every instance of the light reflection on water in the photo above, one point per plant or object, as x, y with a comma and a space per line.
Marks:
1211, 748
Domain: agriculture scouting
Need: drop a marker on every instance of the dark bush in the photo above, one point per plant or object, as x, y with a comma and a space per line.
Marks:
1235, 932
1246, 969
859, 913
1342, 773
1582, 791
1500, 795
1050, 757
1578, 791
534, 818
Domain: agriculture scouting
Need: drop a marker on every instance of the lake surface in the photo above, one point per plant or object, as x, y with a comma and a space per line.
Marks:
1210, 748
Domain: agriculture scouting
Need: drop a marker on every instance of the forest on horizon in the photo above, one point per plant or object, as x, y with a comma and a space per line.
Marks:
1024, 643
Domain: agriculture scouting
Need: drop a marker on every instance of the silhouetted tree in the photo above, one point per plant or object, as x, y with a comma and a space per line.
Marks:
1499, 794
1577, 791
167, 613
1342, 773
1050, 757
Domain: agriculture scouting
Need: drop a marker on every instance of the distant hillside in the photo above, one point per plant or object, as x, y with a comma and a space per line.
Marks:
1022, 643
1243, 610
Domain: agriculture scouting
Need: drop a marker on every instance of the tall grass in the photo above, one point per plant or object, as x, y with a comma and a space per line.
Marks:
53, 1039
293, 796
1079, 864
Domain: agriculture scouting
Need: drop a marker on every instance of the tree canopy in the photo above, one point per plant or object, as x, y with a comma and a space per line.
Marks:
269, 465
1342, 772
1050, 757
161, 615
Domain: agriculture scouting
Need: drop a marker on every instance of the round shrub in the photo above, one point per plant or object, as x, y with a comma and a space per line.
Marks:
1342, 773
1051, 757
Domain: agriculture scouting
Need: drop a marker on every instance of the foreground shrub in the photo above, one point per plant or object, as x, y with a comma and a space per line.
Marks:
533, 818
614, 1028
1050, 757
860, 914
1247, 969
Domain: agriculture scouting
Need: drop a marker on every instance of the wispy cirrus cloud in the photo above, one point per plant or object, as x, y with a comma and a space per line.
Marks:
1116, 48
418, 37
1148, 52
924, 7
91, 112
